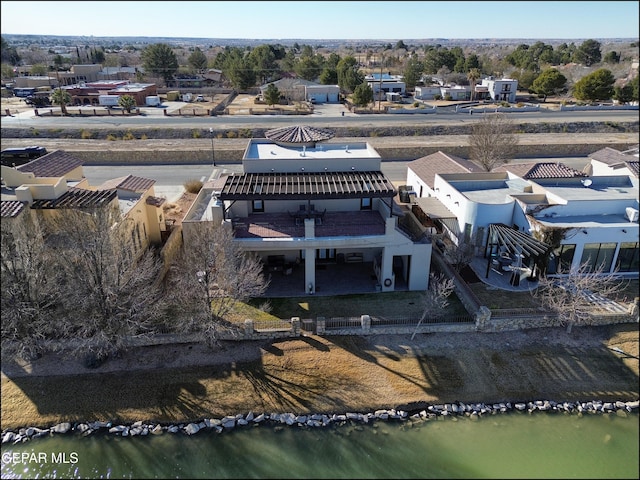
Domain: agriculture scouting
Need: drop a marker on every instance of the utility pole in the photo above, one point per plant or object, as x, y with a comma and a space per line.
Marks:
380, 88
213, 155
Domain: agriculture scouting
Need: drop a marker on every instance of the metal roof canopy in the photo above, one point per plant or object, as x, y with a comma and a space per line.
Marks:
306, 185
515, 241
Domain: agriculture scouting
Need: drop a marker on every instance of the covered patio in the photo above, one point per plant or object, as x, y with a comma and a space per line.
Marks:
511, 254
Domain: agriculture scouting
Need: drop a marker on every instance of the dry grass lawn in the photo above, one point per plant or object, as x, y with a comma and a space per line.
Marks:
325, 374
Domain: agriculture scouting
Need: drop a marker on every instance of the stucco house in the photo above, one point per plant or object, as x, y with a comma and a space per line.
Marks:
384, 83
609, 161
500, 90
54, 183
291, 89
304, 204
543, 209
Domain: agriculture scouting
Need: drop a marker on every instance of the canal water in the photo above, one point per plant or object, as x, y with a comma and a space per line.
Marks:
512, 445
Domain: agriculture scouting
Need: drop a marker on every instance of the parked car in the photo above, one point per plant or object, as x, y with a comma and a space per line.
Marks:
19, 156
38, 101
200, 98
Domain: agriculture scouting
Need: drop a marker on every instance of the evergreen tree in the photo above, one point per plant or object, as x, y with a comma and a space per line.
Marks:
549, 82
160, 60
412, 72
588, 53
595, 86
272, 95
349, 76
362, 95
198, 60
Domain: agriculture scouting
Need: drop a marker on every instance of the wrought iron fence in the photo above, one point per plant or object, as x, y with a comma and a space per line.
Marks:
342, 322
404, 320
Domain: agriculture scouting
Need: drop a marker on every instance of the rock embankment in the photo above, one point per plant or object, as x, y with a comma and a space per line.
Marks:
413, 416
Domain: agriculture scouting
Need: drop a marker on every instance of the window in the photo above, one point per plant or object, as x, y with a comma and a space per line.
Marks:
365, 204
468, 228
627, 260
564, 257
258, 206
598, 255
326, 254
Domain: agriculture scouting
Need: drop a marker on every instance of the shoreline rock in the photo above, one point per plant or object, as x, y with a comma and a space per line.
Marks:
473, 411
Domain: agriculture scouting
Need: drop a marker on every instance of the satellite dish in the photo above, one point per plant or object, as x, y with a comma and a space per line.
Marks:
587, 182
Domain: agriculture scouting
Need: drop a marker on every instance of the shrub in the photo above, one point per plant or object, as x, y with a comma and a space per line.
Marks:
128, 136
196, 133
111, 137
231, 134
144, 137
448, 97
193, 186
416, 104
85, 134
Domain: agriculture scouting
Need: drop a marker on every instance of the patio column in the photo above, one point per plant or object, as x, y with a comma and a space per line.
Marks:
310, 271
386, 271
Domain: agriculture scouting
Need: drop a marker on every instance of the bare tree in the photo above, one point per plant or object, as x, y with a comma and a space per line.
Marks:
436, 298
212, 274
574, 297
108, 280
459, 254
28, 293
493, 141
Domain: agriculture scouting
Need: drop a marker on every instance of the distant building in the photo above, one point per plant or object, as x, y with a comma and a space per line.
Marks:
502, 90
381, 84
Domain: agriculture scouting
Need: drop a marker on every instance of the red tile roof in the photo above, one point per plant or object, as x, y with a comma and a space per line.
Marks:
427, 167
55, 164
540, 170
130, 183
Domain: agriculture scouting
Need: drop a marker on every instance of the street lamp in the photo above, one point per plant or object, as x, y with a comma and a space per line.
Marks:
213, 155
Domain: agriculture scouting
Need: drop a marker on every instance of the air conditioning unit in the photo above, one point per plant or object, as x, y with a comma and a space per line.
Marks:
632, 214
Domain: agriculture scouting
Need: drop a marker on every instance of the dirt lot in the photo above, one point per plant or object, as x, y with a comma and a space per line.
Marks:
326, 374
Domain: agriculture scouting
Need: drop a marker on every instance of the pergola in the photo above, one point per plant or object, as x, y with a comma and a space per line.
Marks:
298, 135
514, 241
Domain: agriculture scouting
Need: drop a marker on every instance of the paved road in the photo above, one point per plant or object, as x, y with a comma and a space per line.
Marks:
324, 116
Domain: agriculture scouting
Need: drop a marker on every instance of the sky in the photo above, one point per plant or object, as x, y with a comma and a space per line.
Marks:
263, 20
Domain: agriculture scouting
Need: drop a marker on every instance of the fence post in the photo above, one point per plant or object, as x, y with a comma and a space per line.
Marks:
483, 315
365, 321
248, 328
295, 326
320, 326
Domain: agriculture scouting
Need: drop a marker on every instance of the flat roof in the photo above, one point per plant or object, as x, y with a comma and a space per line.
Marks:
593, 188
586, 221
260, 149
491, 191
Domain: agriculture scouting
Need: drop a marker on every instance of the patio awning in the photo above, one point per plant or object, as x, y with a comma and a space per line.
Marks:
298, 135
307, 185
516, 241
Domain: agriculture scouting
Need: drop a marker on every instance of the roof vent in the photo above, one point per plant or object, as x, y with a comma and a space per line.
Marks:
587, 182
